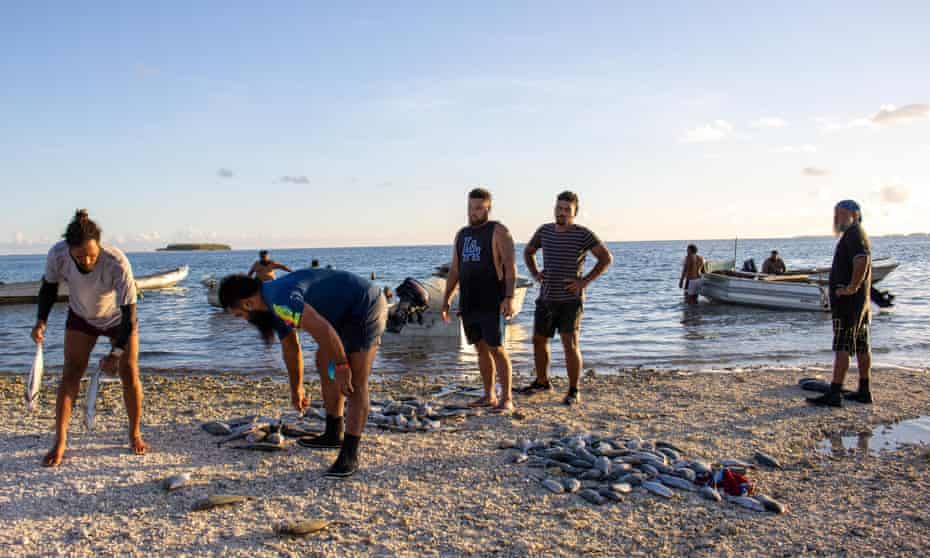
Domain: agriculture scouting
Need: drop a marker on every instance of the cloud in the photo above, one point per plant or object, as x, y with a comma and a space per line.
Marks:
890, 115
715, 131
224, 173
295, 179
894, 193
814, 171
806, 148
769, 122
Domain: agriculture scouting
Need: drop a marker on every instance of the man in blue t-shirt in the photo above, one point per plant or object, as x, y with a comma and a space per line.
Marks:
345, 314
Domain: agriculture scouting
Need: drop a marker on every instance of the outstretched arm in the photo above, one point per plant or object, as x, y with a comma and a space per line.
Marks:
277, 265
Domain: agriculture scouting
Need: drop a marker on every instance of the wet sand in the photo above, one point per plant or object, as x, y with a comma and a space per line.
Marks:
455, 493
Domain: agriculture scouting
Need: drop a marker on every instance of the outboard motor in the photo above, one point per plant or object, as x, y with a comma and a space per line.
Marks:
749, 266
883, 299
412, 301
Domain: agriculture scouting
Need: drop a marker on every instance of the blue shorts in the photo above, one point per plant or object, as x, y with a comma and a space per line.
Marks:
484, 326
365, 331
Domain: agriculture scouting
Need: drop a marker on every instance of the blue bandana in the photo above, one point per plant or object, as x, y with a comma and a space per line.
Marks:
848, 205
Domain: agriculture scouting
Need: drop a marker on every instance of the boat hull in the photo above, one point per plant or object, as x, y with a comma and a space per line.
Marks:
28, 292
781, 295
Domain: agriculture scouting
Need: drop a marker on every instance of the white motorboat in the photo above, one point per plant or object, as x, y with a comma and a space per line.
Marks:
784, 292
28, 292
881, 268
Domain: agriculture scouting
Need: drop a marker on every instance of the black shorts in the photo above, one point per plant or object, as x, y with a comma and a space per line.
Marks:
365, 332
851, 335
77, 323
484, 326
562, 316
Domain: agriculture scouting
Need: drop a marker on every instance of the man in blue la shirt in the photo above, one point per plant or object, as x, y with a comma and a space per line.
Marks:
345, 314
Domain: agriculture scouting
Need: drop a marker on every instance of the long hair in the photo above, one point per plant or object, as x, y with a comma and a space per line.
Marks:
81, 229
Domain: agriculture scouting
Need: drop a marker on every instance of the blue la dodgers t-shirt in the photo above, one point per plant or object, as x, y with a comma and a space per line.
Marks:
338, 296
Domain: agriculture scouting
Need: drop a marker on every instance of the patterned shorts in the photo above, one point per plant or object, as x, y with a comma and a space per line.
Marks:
851, 336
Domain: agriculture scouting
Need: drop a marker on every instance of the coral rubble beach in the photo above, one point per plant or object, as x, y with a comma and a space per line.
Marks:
455, 493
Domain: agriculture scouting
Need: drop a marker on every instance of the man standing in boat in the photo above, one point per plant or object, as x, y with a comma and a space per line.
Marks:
264, 268
774, 265
345, 314
484, 268
691, 270
101, 302
565, 246
850, 284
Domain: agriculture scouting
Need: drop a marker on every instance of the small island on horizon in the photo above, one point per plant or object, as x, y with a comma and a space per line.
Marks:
193, 246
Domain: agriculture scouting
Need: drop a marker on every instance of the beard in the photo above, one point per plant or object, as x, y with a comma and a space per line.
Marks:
840, 228
561, 220
477, 221
263, 320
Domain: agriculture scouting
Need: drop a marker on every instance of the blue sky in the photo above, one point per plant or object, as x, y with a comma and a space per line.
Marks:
299, 124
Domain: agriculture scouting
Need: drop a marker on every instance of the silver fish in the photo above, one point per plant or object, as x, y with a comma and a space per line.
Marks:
621, 487
217, 428
34, 383
175, 482
90, 414
649, 470
609, 494
658, 489
553, 486
747, 502
677, 482
685, 473
602, 464
767, 460
770, 504
592, 496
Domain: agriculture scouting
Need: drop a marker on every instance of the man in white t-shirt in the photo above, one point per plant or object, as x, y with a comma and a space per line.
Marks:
101, 302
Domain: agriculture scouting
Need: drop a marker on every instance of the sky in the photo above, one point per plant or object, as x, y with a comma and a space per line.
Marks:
308, 124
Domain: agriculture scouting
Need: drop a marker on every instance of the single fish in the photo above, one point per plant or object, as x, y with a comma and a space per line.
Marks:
217, 428
602, 464
592, 474
685, 473
259, 446
302, 528
660, 444
649, 470
621, 487
90, 413
592, 496
571, 485
218, 500
658, 489
710, 493
670, 453
175, 482
747, 502
34, 383
609, 494
699, 467
677, 482
242, 432
553, 486
767, 460
770, 504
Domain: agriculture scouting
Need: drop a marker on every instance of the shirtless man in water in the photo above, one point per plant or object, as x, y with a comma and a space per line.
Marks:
264, 268
691, 272
101, 302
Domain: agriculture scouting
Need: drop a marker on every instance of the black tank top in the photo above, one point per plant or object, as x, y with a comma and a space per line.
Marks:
480, 290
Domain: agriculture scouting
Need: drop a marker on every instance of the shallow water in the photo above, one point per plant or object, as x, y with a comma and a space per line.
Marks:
634, 315
884, 437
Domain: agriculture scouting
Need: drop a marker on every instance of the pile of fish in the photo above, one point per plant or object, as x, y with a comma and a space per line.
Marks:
405, 414
601, 469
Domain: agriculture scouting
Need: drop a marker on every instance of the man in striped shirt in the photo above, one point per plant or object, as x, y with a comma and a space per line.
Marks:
565, 246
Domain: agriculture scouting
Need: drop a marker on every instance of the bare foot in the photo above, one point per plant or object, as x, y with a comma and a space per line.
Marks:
483, 401
505, 406
54, 456
138, 446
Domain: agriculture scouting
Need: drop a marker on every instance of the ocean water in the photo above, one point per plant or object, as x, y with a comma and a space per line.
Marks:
633, 316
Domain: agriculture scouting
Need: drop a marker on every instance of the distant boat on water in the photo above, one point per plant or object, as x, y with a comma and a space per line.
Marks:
193, 246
